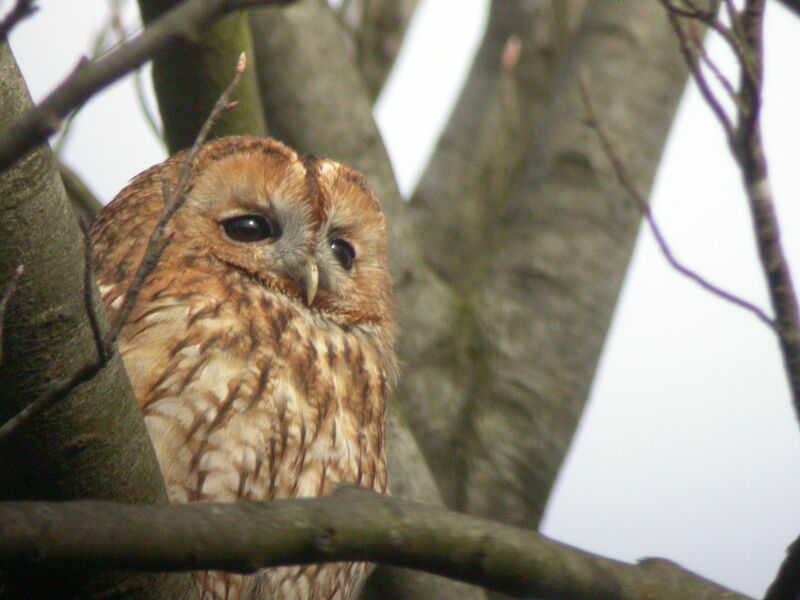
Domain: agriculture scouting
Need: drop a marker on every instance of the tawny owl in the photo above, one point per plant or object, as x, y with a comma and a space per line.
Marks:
261, 346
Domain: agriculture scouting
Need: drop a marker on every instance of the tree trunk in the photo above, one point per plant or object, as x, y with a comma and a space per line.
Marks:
92, 443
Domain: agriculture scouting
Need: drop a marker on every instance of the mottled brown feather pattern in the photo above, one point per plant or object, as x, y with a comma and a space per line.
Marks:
248, 391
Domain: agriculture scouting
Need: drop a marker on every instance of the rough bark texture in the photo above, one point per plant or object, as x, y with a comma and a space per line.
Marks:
190, 77
93, 443
351, 523
547, 258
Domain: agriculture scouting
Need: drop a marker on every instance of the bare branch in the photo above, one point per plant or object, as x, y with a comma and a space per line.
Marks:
749, 153
746, 144
58, 389
350, 524
158, 241
644, 207
22, 10
8, 291
186, 20
747, 147
690, 53
793, 5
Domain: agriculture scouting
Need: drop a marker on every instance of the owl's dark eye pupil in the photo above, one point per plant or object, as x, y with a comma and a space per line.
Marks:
344, 253
248, 228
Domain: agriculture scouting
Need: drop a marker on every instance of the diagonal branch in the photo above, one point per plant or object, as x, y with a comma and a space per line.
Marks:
749, 152
793, 5
21, 11
350, 524
173, 201
185, 21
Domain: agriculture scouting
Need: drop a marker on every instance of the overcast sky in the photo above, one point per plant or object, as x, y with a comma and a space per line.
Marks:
689, 448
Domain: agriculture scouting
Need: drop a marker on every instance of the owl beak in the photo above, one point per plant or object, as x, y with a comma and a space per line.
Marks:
311, 279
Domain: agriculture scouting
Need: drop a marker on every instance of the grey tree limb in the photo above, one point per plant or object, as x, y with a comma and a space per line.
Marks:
82, 446
350, 524
548, 242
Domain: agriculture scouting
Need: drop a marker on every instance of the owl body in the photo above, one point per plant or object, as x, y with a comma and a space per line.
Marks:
261, 362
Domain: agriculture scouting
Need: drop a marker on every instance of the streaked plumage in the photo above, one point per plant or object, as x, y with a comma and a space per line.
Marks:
248, 391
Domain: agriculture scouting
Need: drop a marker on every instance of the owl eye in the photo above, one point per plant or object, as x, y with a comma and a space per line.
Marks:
344, 253
249, 228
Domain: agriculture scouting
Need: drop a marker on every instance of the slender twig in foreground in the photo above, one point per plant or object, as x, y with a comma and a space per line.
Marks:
644, 208
60, 388
57, 390
22, 10
350, 524
8, 291
690, 56
36, 125
157, 241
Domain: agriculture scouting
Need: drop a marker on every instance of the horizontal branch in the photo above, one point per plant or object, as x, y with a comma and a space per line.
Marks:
184, 22
351, 524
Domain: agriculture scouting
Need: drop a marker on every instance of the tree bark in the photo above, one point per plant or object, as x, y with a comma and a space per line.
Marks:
93, 443
350, 524
547, 260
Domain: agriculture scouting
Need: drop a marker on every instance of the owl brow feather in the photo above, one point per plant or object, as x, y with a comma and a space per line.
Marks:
61, 387
314, 189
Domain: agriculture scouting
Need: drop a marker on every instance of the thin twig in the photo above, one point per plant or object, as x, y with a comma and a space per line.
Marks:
690, 56
60, 388
37, 124
57, 390
8, 292
622, 176
724, 81
746, 145
21, 11
157, 241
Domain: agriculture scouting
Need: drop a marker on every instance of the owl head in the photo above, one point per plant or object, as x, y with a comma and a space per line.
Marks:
257, 211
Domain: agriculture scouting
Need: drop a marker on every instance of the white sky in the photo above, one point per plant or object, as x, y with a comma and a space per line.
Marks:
689, 448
